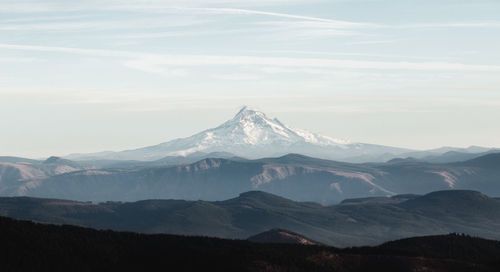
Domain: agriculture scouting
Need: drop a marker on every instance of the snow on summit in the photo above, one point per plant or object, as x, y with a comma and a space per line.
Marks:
253, 127
251, 134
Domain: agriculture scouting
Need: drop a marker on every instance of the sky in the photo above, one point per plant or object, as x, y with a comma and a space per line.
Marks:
87, 75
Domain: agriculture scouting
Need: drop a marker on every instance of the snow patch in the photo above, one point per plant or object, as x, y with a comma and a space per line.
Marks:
272, 172
202, 165
447, 177
26, 172
249, 129
336, 186
92, 172
299, 239
61, 169
368, 178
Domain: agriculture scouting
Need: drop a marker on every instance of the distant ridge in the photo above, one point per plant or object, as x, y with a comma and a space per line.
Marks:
489, 160
220, 175
358, 223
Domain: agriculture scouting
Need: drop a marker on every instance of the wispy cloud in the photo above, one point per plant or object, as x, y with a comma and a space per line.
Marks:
101, 24
204, 60
334, 53
71, 50
487, 24
236, 76
144, 64
155, 101
17, 59
44, 18
155, 62
372, 42
179, 33
215, 7
326, 22
329, 22
307, 29
31, 6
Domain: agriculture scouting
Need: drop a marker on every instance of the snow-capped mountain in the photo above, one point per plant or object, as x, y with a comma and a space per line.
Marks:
249, 129
251, 134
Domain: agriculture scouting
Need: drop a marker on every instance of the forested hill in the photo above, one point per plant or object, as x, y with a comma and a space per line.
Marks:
355, 222
28, 246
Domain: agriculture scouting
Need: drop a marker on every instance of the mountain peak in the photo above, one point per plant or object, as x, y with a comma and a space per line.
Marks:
249, 113
252, 134
246, 109
57, 160
252, 127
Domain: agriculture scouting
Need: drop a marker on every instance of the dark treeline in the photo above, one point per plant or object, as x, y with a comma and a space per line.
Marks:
27, 246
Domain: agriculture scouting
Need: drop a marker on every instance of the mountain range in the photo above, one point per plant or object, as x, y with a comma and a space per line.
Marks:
225, 161
351, 223
293, 176
251, 134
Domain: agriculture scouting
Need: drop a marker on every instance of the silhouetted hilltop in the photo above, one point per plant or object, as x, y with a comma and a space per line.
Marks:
281, 236
355, 222
28, 246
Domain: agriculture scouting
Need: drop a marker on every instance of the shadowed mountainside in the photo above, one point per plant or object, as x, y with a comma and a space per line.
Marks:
293, 176
348, 224
28, 246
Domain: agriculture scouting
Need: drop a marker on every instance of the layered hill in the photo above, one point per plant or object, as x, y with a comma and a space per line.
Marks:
363, 223
32, 247
292, 176
18, 175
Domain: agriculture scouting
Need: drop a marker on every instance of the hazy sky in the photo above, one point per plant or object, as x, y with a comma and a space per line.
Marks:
84, 76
